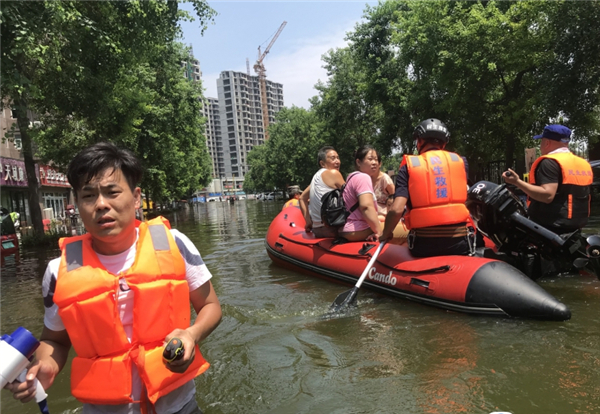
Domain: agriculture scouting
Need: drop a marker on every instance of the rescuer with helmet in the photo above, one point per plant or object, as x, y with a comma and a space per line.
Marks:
433, 188
559, 188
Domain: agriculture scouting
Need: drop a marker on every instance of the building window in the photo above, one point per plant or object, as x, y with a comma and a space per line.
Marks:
17, 141
56, 202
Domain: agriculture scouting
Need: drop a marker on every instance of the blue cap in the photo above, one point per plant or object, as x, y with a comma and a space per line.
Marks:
555, 132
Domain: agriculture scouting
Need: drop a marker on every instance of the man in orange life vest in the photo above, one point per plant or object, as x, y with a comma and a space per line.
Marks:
559, 188
433, 187
119, 293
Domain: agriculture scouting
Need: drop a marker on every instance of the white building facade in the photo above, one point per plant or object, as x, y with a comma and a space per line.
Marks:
212, 130
241, 118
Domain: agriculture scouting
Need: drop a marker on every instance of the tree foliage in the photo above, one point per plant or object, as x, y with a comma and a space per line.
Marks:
494, 72
287, 157
105, 71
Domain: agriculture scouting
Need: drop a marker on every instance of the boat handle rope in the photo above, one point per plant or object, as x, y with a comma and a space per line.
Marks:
318, 244
440, 269
281, 236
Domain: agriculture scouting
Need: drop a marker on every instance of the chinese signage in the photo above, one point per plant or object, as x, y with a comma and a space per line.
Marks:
52, 178
13, 173
441, 187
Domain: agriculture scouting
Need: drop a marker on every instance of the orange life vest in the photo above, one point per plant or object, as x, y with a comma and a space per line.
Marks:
293, 202
571, 205
86, 295
437, 187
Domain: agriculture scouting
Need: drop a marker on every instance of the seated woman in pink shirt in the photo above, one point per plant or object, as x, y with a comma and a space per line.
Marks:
362, 224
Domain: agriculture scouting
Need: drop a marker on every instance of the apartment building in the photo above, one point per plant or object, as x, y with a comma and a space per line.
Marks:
210, 111
241, 119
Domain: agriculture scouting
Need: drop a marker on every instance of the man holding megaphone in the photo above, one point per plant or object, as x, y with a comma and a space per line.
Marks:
118, 295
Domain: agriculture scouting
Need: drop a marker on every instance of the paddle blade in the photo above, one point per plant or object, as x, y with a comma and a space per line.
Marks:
344, 300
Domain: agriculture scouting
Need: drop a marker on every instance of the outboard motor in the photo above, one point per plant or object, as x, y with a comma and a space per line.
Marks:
491, 207
501, 216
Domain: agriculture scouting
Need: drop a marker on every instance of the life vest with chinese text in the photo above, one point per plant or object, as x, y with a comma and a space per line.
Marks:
570, 208
86, 295
437, 188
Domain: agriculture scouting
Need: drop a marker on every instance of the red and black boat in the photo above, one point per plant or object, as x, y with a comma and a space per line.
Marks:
464, 284
9, 243
476, 285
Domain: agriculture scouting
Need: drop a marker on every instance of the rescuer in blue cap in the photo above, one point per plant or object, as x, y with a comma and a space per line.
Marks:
559, 188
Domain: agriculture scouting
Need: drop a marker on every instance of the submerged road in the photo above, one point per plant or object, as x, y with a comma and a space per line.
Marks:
274, 353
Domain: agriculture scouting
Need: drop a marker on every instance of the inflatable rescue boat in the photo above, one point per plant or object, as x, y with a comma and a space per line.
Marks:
474, 285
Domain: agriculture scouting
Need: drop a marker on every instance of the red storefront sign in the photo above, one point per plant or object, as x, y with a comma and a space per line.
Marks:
52, 178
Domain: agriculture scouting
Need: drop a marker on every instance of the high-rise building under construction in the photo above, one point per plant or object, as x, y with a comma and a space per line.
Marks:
212, 131
241, 118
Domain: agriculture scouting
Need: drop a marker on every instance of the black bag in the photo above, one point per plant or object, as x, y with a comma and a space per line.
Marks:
333, 209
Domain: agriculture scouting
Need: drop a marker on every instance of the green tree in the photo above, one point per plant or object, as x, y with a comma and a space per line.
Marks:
256, 180
571, 80
387, 82
96, 71
285, 159
494, 72
350, 119
475, 68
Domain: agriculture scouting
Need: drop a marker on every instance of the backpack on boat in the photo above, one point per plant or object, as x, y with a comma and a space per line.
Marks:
333, 208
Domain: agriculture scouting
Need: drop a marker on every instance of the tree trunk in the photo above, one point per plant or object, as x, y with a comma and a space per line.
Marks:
32, 182
509, 152
594, 151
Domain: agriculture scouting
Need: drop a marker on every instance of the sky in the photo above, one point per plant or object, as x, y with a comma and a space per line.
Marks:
313, 28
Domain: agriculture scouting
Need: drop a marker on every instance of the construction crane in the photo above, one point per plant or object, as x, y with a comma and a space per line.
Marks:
259, 68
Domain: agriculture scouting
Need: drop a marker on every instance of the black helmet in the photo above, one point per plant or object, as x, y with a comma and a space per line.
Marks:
432, 128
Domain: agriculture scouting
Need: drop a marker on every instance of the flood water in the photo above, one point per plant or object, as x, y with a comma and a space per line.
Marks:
273, 353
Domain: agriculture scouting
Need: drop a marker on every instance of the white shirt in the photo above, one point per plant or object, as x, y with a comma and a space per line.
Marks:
558, 150
318, 189
196, 275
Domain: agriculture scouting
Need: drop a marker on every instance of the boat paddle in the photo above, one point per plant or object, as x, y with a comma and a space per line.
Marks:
349, 297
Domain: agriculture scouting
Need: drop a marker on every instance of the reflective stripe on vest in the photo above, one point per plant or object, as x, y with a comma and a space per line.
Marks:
570, 207
74, 255
86, 295
437, 188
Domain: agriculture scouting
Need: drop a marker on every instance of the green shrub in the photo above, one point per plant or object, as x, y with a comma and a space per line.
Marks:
48, 239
